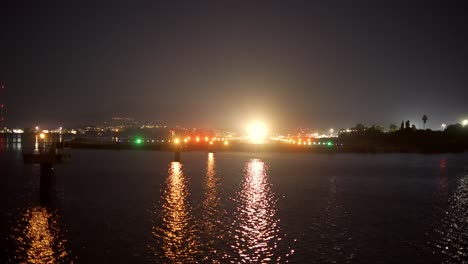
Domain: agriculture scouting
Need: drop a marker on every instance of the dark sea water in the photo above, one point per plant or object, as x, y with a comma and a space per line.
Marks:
142, 207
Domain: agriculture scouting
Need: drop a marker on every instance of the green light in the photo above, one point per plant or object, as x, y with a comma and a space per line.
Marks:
330, 144
138, 141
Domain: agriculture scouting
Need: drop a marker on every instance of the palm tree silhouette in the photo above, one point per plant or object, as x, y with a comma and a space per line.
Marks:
424, 119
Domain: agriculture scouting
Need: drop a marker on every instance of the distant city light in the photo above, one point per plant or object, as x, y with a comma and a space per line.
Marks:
176, 141
257, 132
226, 143
138, 141
443, 126
42, 135
197, 139
465, 122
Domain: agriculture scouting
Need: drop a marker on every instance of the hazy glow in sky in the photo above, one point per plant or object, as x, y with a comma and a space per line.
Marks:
217, 63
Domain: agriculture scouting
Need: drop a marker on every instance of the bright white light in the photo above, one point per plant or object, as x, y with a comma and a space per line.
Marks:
257, 132
465, 122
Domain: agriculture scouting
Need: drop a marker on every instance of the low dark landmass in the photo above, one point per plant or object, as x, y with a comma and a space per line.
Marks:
408, 140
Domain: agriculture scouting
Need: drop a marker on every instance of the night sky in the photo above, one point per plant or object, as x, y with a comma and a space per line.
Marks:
223, 63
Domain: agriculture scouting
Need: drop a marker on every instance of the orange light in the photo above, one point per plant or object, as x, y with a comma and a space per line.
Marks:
211, 142
197, 139
206, 138
42, 135
185, 140
226, 143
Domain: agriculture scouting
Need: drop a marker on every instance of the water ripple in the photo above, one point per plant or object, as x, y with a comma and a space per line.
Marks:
176, 237
255, 229
454, 227
38, 238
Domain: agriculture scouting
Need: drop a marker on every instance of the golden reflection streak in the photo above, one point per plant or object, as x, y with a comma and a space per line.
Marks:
39, 238
256, 229
210, 227
179, 244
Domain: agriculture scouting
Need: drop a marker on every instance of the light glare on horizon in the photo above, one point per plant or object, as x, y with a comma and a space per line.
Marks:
257, 132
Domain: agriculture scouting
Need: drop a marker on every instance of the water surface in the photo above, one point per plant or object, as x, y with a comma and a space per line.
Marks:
142, 207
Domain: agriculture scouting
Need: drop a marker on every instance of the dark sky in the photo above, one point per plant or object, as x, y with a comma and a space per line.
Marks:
223, 63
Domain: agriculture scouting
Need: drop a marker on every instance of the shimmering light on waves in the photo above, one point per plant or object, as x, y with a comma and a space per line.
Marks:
211, 222
211, 142
38, 238
256, 227
454, 237
179, 244
226, 143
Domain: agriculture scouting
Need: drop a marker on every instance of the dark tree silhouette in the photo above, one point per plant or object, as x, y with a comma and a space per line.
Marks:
407, 124
424, 119
402, 125
359, 127
392, 128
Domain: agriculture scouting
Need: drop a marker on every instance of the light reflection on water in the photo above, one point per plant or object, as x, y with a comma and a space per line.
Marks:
454, 242
179, 243
11, 142
212, 214
255, 228
38, 238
